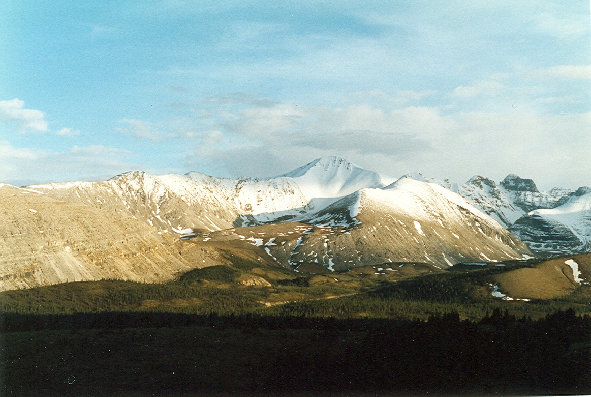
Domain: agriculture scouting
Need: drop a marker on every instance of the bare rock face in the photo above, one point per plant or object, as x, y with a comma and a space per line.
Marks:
45, 241
548, 222
515, 183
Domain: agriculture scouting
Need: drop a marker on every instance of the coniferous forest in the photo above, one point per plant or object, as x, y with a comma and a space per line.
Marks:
202, 333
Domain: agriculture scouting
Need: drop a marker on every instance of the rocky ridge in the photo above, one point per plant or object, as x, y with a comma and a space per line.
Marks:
534, 216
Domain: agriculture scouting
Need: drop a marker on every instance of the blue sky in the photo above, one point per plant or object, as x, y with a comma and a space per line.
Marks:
450, 89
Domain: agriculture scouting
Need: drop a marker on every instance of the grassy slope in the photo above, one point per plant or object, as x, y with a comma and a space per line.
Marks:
410, 291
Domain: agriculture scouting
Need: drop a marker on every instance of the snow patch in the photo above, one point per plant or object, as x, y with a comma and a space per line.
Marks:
576, 272
330, 265
486, 257
418, 227
257, 242
498, 294
268, 251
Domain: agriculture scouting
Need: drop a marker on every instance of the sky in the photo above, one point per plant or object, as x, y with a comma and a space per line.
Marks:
451, 89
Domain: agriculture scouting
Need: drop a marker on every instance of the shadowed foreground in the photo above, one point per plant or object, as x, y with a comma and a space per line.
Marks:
164, 353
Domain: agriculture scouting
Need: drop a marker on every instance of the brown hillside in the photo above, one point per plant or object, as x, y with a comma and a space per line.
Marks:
549, 279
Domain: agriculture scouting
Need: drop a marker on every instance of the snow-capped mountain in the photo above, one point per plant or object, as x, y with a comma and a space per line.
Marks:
330, 177
511, 199
176, 203
560, 230
407, 221
329, 213
183, 203
520, 207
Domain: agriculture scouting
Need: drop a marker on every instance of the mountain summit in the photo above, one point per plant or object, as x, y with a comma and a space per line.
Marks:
515, 183
332, 177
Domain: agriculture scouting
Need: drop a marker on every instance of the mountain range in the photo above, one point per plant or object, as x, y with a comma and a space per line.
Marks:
550, 223
328, 215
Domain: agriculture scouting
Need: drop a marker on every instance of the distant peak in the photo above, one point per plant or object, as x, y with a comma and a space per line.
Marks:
478, 180
325, 163
516, 183
417, 176
582, 190
129, 175
331, 161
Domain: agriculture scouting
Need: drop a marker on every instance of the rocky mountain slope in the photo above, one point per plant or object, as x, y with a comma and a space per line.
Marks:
550, 223
559, 230
324, 216
45, 241
408, 221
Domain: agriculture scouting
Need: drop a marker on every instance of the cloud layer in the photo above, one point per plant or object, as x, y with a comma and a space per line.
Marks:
271, 140
450, 88
26, 120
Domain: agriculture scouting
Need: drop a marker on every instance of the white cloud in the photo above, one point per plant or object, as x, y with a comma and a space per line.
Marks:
141, 129
269, 141
552, 100
481, 88
67, 132
265, 121
563, 23
398, 98
13, 111
568, 72
20, 166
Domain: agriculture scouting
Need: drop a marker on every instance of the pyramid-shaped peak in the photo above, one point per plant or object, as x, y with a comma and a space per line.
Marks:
130, 175
323, 163
333, 176
516, 183
417, 176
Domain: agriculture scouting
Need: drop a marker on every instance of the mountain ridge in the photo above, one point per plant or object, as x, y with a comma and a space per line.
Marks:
328, 215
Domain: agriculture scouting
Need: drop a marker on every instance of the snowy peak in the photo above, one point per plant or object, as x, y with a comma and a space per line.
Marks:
550, 223
481, 182
324, 163
417, 176
331, 177
515, 183
414, 221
